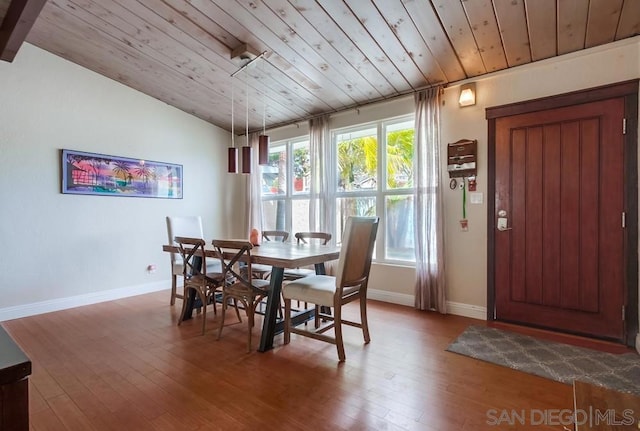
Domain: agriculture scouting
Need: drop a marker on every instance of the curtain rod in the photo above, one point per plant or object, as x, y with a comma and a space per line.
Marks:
349, 108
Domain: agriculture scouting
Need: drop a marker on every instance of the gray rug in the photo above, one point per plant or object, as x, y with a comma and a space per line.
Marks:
556, 361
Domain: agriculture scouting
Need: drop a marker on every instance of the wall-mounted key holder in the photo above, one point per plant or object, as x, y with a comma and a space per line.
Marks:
461, 158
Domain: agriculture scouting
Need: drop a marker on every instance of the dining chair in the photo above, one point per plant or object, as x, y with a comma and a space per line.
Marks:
275, 235
264, 271
204, 284
241, 286
306, 238
190, 227
349, 284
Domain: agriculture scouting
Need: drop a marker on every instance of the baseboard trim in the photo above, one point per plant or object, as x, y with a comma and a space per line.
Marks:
467, 310
48, 306
456, 308
391, 297
26, 310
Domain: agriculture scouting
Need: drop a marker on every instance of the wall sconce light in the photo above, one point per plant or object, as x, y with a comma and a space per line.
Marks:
467, 94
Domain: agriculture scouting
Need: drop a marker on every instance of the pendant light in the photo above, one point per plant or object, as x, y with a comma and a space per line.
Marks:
233, 151
263, 149
246, 150
243, 52
263, 139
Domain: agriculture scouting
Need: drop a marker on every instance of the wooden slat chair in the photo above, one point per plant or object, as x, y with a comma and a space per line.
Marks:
306, 238
275, 235
349, 284
264, 271
190, 227
241, 285
204, 284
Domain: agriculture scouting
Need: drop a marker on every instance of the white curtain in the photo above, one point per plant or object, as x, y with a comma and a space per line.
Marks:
428, 210
254, 188
322, 188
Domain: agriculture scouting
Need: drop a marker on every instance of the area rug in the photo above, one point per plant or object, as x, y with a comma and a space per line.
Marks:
560, 362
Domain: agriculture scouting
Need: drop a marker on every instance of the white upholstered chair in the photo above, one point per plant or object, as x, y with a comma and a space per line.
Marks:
187, 226
349, 284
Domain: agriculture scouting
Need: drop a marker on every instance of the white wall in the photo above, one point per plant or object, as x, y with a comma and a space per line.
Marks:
466, 252
61, 250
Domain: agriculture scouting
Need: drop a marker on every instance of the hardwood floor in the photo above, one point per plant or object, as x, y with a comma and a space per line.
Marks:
126, 365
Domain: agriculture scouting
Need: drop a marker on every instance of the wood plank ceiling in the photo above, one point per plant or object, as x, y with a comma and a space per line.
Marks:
321, 55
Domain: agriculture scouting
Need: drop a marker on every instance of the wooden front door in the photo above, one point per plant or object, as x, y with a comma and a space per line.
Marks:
559, 219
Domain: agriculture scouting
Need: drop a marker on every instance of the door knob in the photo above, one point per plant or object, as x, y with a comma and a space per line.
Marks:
502, 221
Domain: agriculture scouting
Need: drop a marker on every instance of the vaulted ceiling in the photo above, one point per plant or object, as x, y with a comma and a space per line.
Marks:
320, 55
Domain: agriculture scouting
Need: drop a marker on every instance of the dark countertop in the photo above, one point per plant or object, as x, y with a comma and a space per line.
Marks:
14, 364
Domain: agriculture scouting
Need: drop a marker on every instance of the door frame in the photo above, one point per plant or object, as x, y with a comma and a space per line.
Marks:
627, 90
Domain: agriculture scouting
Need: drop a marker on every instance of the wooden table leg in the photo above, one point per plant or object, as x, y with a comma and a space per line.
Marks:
320, 269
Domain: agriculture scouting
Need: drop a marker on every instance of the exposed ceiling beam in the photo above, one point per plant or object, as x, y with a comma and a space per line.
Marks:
16, 25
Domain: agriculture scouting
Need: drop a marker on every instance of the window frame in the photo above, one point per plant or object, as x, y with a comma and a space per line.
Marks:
380, 193
290, 194
382, 190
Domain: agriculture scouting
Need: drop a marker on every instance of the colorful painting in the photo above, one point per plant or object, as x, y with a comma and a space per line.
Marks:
99, 174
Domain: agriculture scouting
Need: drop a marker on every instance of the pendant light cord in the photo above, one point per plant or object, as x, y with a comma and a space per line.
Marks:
264, 101
233, 133
246, 82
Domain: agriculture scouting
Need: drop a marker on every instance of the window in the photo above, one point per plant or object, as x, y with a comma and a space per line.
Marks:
373, 173
285, 187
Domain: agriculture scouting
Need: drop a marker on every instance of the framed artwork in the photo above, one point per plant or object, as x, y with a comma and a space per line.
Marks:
100, 174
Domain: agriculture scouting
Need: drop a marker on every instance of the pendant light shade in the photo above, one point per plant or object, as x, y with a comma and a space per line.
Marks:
246, 159
263, 150
233, 160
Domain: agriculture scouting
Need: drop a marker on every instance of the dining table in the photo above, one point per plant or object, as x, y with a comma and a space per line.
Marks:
280, 256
